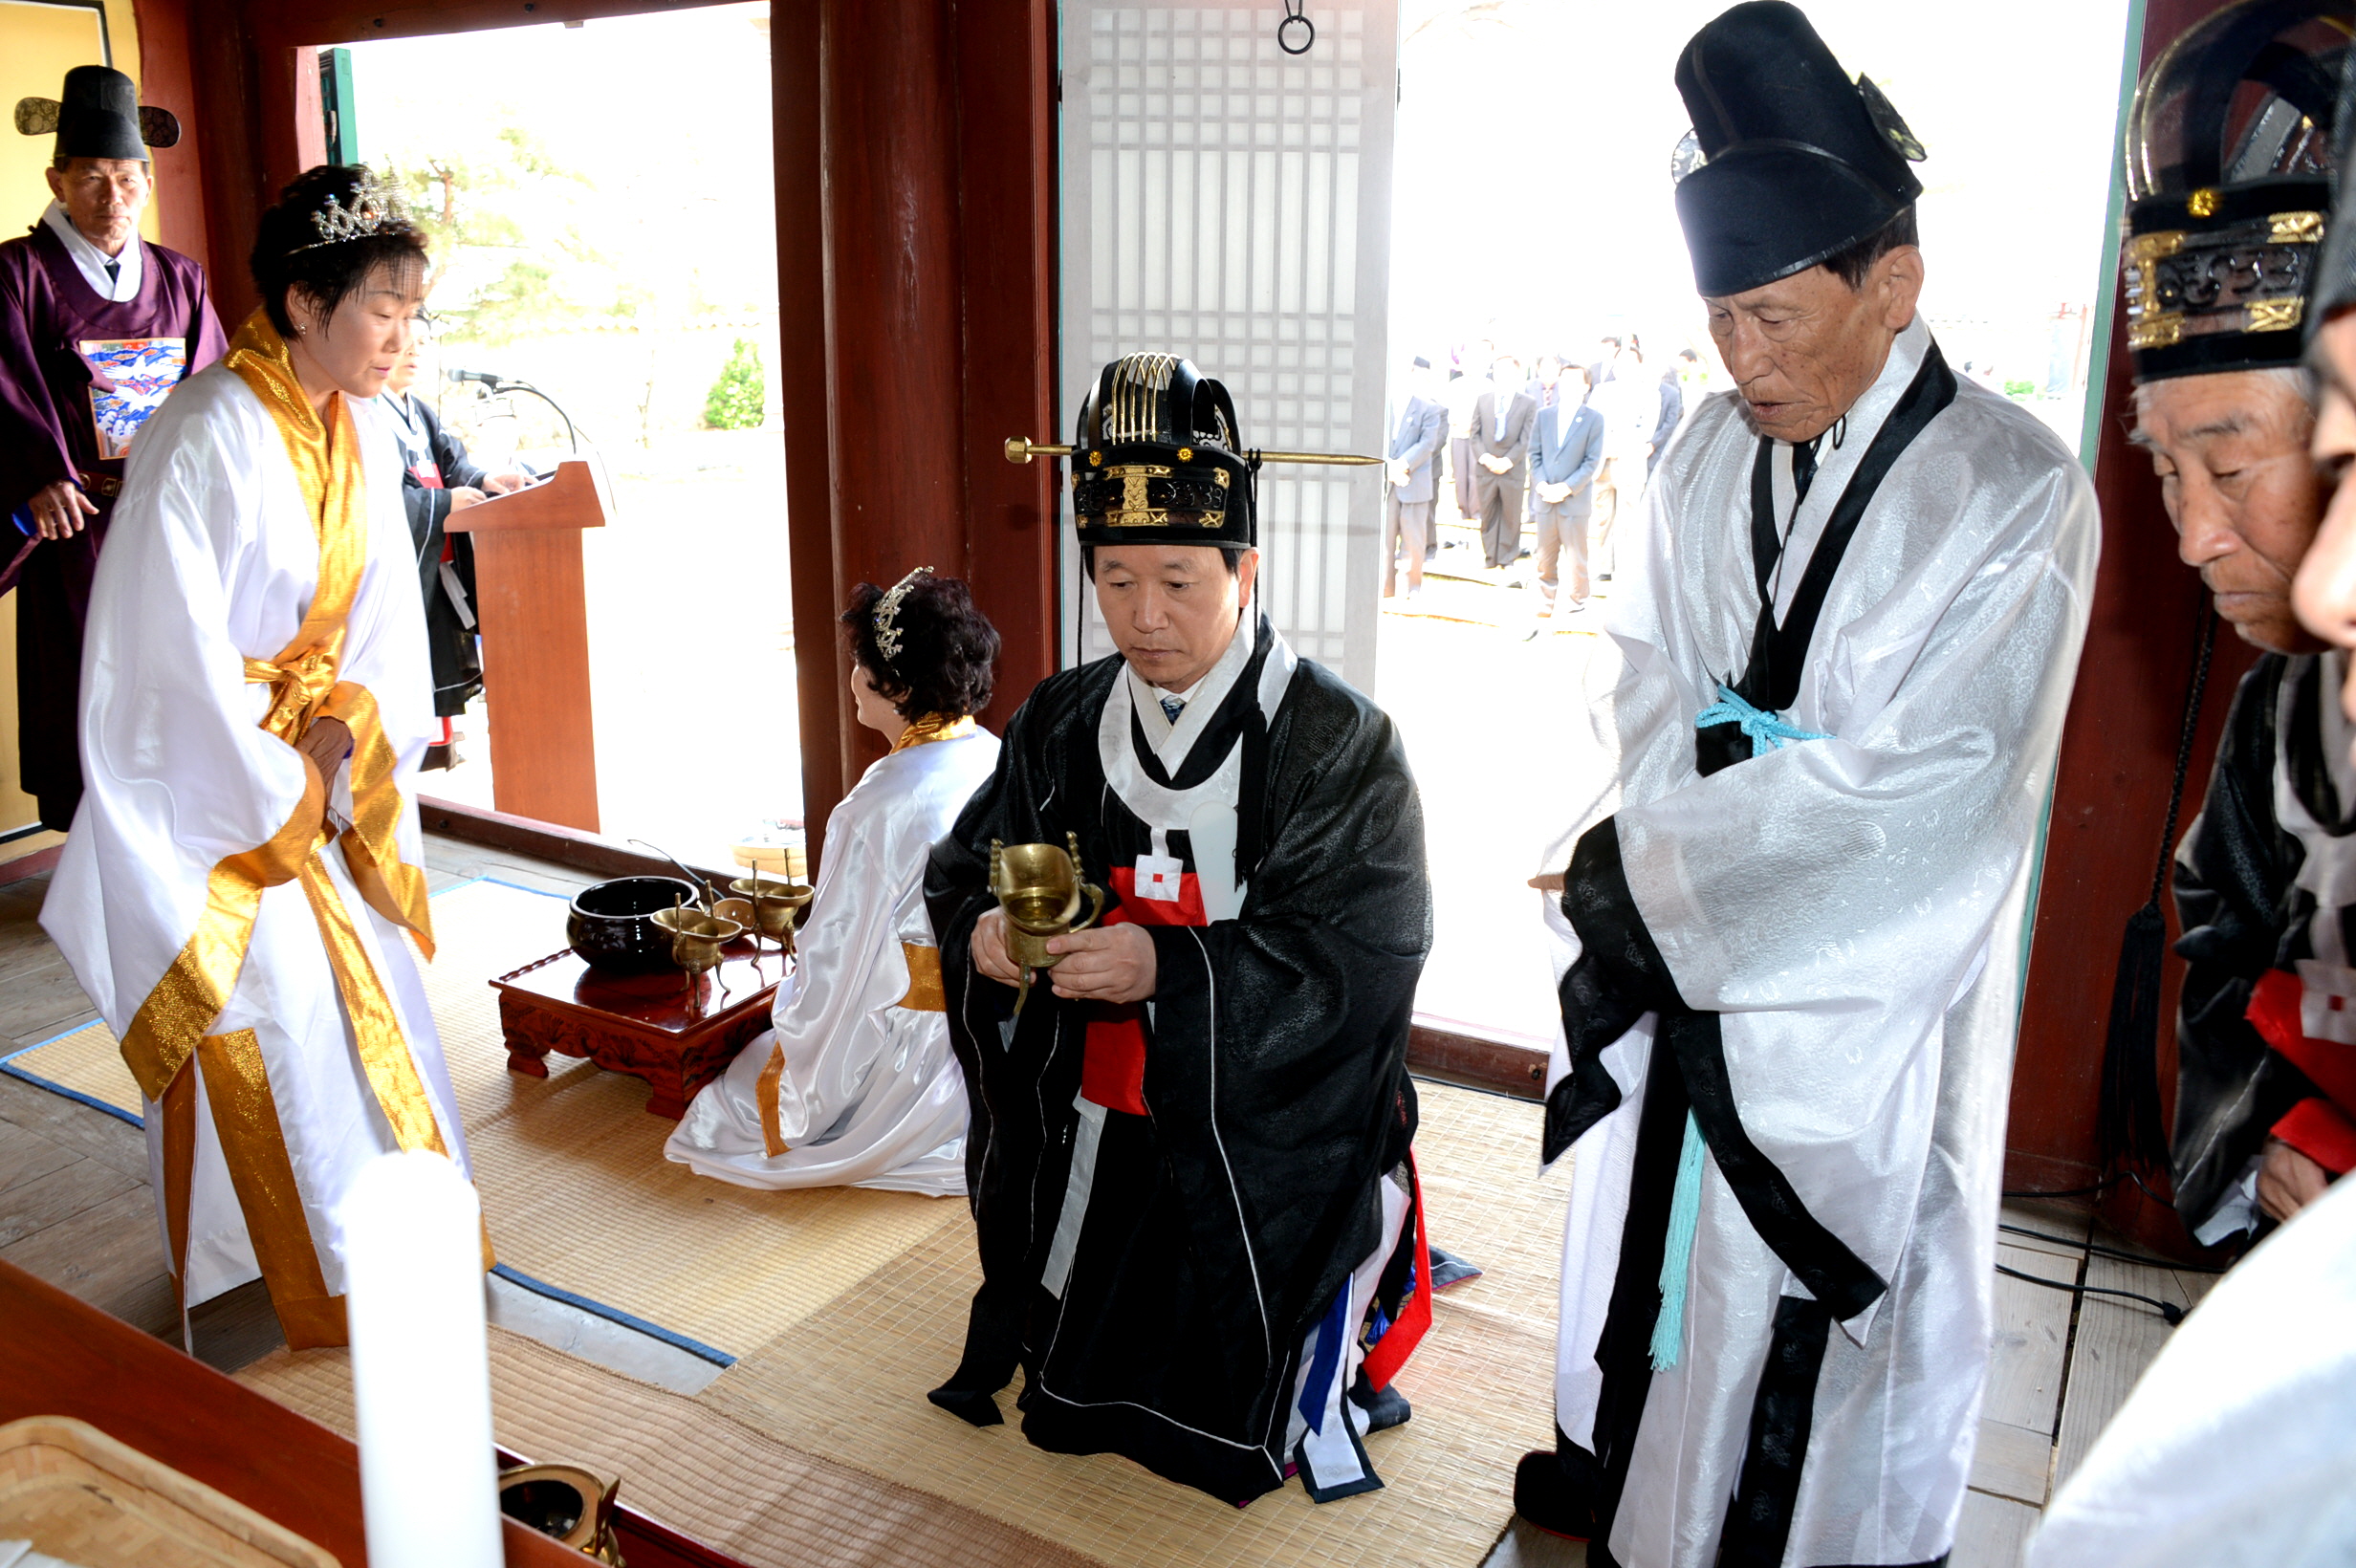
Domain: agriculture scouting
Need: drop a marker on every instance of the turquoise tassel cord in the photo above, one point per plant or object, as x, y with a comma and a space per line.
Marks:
1685, 1214
1768, 731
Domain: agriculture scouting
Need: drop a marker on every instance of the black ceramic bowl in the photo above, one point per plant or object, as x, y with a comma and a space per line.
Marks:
609, 925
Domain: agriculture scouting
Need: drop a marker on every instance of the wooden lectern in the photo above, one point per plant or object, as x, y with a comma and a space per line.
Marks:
532, 615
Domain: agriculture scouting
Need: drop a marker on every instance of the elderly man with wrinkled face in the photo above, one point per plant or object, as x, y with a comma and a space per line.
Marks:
1791, 952
2246, 499
2228, 413
96, 325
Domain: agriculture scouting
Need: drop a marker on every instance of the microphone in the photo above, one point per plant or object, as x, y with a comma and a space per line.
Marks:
486, 377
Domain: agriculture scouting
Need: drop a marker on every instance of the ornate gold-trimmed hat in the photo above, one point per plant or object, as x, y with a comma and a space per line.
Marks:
1157, 459
2229, 154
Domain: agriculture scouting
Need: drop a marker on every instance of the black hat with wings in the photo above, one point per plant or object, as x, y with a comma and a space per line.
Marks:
98, 114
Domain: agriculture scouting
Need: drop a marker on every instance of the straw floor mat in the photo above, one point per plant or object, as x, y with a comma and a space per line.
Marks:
847, 1385
699, 1473
845, 1306
574, 1187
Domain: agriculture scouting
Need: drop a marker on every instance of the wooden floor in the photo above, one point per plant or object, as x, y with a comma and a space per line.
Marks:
75, 1210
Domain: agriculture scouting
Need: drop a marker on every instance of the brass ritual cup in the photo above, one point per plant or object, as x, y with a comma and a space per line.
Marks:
776, 905
1040, 889
696, 937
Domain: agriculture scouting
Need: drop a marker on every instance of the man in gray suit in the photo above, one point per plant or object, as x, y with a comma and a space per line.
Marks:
1500, 453
1417, 435
1567, 448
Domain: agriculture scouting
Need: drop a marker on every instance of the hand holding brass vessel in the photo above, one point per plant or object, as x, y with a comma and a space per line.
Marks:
1040, 889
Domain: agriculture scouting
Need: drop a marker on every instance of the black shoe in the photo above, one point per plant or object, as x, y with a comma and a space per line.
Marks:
1545, 1495
1602, 577
1447, 1267
442, 754
969, 1405
1384, 1408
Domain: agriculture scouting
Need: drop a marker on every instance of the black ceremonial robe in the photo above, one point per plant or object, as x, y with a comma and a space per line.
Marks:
2244, 914
436, 463
1220, 1225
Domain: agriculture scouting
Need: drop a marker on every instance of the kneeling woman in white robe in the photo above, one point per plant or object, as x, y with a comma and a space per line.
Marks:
856, 1084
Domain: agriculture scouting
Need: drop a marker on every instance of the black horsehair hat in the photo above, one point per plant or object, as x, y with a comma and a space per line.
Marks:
1790, 161
98, 114
1156, 459
2229, 157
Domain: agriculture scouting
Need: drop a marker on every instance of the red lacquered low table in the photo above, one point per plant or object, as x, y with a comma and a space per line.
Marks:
676, 1034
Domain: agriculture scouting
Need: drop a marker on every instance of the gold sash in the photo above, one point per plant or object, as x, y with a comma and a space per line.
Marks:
924, 995
926, 992
165, 1032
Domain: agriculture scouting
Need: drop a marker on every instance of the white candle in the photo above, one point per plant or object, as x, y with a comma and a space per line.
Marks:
421, 1367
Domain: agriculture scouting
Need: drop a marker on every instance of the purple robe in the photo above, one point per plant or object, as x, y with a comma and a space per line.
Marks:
49, 431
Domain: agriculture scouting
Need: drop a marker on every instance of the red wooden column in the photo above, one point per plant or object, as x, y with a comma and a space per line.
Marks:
1006, 94
2110, 794
914, 204
167, 80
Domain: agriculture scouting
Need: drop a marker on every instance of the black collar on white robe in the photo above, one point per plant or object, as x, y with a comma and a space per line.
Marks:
1779, 652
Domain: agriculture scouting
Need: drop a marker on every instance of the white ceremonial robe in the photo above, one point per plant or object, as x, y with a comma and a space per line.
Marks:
213, 559
868, 1092
1850, 907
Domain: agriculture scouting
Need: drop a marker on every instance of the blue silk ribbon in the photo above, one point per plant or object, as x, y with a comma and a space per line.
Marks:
1768, 731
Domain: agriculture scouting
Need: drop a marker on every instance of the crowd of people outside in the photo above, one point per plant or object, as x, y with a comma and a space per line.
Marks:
1541, 457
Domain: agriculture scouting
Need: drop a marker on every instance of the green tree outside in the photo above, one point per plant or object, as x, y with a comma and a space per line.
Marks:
739, 398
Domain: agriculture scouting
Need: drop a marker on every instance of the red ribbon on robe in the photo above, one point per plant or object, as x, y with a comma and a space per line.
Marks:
1112, 1073
2323, 1128
1398, 1342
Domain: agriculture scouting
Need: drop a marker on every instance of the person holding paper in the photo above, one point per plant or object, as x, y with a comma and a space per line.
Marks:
437, 479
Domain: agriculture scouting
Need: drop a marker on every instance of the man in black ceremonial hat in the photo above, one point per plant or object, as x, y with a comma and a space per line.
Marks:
1795, 952
96, 325
1190, 1159
2229, 159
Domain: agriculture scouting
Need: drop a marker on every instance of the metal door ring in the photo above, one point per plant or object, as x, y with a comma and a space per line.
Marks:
1284, 34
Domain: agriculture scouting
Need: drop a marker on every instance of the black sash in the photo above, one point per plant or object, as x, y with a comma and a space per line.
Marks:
1779, 653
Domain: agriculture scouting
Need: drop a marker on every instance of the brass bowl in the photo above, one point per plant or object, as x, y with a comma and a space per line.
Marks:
696, 937
777, 906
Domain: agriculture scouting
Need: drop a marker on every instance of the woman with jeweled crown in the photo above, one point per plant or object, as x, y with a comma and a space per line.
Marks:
247, 857
856, 1083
